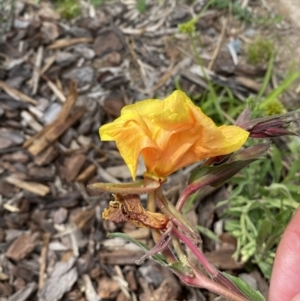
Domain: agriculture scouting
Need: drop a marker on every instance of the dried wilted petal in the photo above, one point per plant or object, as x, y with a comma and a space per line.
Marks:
127, 207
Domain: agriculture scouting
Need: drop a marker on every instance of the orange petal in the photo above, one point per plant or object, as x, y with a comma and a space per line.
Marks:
169, 134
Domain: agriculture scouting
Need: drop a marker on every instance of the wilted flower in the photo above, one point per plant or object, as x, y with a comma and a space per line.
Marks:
128, 208
169, 134
266, 127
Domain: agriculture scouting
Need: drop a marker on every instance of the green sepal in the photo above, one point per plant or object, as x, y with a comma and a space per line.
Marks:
217, 175
181, 268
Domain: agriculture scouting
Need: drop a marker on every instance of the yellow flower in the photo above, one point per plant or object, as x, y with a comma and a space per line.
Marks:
169, 134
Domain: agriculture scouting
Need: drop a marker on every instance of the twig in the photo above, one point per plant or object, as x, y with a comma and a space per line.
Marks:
89, 290
36, 70
43, 260
219, 45
16, 94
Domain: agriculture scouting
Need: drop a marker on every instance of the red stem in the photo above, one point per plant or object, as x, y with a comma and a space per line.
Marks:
203, 282
210, 269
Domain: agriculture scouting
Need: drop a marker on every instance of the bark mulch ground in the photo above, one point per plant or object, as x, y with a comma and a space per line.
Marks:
59, 82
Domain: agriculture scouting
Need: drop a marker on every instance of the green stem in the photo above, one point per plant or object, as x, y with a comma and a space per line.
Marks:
212, 271
169, 210
156, 235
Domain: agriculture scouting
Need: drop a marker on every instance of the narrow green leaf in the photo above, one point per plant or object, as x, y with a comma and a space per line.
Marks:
264, 231
207, 232
157, 257
245, 288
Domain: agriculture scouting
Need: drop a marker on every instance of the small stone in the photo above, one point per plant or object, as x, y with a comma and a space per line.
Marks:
81, 75
65, 59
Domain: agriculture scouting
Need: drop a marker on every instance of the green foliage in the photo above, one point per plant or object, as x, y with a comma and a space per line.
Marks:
265, 194
264, 197
69, 9
270, 19
6, 16
274, 108
97, 3
141, 6
240, 13
260, 51
187, 27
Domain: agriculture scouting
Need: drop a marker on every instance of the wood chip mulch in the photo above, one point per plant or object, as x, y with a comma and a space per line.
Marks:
59, 82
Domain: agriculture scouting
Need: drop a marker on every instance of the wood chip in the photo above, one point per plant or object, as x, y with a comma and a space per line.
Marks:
43, 261
83, 220
87, 174
33, 187
64, 113
22, 246
63, 43
36, 72
63, 277
90, 293
54, 132
120, 257
222, 259
108, 288
24, 293
72, 166
16, 94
